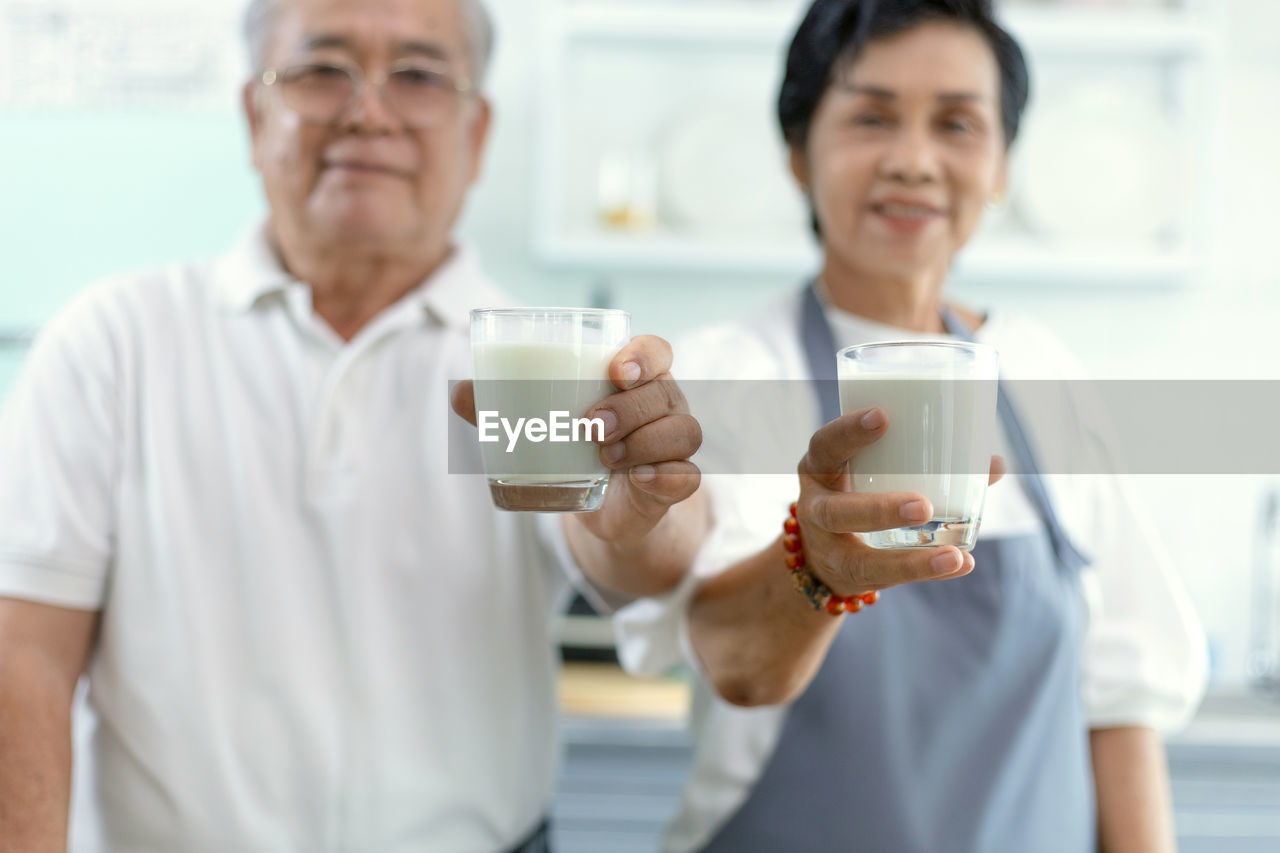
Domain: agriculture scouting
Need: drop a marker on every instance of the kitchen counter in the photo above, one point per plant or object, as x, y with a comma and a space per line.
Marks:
625, 768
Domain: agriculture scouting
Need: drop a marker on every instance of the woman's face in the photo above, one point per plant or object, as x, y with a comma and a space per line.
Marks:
905, 150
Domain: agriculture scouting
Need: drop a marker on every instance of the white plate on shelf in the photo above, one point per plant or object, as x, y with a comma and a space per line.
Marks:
1099, 165
722, 168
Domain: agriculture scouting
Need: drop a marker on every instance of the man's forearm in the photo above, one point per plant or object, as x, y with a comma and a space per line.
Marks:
35, 758
758, 640
1135, 809
647, 565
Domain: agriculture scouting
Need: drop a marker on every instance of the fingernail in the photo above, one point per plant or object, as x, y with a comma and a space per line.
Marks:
643, 473
610, 421
630, 372
614, 452
914, 511
946, 562
872, 419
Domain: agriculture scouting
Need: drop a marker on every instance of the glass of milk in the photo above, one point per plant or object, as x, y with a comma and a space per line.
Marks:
940, 398
537, 371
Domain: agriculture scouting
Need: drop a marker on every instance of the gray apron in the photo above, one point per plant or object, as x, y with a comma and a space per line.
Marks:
947, 718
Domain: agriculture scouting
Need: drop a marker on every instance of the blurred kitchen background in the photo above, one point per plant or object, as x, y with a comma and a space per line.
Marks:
634, 162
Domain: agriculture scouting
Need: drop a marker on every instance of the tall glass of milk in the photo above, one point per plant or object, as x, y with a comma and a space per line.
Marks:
537, 372
940, 399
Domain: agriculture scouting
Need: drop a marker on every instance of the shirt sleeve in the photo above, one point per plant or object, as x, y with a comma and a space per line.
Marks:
747, 508
1145, 659
652, 634
58, 454
550, 534
1145, 655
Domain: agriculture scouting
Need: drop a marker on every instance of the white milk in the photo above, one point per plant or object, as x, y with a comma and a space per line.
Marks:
938, 443
531, 380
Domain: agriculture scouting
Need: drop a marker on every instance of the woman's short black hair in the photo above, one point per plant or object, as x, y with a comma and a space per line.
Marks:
834, 32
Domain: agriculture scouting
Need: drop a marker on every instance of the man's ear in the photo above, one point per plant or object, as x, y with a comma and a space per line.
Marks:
799, 166
479, 132
249, 103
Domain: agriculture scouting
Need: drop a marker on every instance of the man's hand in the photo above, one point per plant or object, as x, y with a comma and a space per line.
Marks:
648, 438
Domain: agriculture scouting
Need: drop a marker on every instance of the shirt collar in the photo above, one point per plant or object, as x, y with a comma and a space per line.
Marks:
252, 270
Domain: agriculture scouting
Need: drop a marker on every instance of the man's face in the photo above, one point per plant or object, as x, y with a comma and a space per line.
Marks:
366, 179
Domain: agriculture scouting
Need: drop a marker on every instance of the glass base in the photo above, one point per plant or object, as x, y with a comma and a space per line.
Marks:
962, 533
572, 496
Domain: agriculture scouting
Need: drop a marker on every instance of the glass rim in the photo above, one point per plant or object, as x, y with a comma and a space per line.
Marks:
548, 310
963, 346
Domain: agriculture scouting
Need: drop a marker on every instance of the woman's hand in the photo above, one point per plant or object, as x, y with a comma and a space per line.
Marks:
831, 515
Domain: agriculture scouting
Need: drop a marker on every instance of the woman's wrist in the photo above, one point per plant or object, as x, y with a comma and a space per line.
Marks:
808, 583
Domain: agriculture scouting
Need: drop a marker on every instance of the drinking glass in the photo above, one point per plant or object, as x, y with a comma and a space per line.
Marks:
940, 400
537, 371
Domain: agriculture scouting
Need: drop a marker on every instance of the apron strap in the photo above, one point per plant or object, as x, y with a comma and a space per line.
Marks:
820, 348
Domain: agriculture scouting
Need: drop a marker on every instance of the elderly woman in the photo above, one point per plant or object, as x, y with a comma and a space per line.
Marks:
1013, 707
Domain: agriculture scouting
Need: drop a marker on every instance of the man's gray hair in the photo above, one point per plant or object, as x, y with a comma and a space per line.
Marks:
259, 21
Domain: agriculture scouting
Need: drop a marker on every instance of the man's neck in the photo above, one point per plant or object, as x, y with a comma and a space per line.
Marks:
906, 302
350, 285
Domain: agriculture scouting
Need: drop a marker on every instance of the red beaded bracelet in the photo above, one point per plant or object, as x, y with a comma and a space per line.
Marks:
817, 593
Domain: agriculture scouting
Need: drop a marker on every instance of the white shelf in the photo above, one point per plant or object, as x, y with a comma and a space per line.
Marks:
1073, 30
662, 252
1005, 262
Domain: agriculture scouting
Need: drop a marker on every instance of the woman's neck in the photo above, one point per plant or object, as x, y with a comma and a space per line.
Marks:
906, 302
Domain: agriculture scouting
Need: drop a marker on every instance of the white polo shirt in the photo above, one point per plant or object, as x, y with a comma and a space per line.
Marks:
314, 637
1144, 660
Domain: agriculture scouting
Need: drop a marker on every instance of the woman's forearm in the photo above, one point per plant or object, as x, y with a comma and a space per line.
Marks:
758, 640
1135, 805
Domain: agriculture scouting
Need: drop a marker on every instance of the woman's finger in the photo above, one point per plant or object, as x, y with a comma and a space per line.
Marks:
861, 568
834, 445
854, 512
998, 469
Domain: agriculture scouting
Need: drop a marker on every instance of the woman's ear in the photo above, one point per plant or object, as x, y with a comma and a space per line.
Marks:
799, 166
1000, 190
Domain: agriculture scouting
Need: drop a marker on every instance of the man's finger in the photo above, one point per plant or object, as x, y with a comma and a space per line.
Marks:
462, 397
667, 483
670, 438
627, 411
998, 469
857, 512
834, 444
643, 359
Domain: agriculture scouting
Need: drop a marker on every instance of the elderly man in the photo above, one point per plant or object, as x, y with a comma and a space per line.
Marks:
226, 497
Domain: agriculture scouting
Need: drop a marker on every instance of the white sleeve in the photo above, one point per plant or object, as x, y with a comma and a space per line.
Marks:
747, 509
1145, 659
59, 447
652, 634
550, 535
1145, 655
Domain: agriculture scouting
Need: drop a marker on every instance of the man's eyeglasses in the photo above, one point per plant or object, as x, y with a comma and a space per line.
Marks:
421, 95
